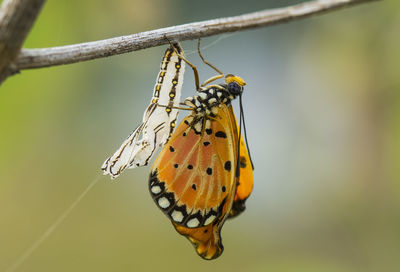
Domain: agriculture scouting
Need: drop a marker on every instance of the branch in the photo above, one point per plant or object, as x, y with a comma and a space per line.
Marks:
16, 19
36, 58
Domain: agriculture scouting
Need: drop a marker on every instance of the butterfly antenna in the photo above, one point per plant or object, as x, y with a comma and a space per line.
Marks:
240, 135
245, 131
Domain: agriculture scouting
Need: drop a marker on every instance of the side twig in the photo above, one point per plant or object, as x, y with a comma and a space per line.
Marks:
16, 19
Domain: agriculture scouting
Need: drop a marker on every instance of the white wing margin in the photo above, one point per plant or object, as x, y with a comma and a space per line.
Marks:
158, 119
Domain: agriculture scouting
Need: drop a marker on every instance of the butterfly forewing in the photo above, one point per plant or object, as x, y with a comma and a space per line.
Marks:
193, 179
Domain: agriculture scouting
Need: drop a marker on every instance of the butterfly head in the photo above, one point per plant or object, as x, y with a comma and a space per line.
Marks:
235, 84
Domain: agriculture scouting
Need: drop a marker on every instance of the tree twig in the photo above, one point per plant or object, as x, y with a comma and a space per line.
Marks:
44, 57
16, 19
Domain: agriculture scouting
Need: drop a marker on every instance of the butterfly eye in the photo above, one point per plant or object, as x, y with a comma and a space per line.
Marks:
234, 88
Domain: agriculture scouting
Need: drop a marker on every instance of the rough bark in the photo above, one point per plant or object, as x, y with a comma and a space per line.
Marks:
16, 19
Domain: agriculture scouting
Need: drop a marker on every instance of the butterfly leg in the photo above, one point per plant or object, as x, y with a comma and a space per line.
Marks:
194, 68
220, 74
178, 108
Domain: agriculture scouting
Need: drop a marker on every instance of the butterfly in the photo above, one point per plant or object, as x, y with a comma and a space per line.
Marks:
203, 175
158, 119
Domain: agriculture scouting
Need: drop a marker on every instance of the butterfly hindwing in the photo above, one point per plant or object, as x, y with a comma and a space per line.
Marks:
244, 184
193, 179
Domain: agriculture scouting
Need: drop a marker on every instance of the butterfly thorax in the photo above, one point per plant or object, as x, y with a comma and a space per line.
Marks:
206, 101
205, 104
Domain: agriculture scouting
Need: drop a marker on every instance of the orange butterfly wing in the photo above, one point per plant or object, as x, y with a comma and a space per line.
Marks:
244, 185
193, 179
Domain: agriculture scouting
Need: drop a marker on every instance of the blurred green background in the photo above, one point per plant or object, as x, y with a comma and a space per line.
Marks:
322, 104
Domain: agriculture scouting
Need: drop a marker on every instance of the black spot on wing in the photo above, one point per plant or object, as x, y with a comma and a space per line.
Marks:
228, 165
243, 162
220, 134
